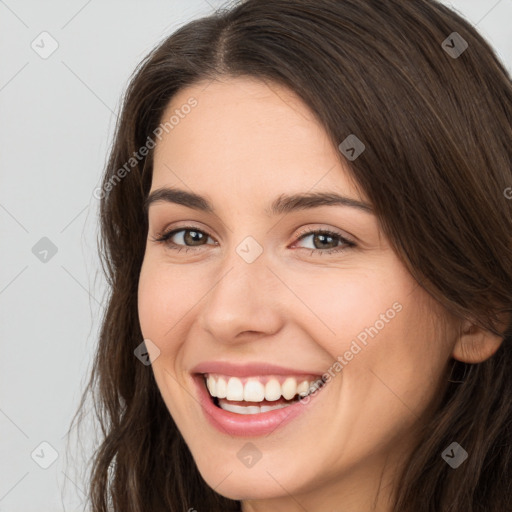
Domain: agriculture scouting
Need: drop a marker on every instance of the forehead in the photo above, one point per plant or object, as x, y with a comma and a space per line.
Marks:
247, 136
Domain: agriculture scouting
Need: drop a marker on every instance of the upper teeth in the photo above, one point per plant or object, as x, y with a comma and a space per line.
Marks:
255, 389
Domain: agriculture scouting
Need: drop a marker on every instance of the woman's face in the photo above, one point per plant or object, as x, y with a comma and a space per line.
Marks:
252, 295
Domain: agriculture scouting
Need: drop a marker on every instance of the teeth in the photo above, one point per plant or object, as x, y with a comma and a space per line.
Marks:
254, 391
302, 388
232, 388
272, 390
235, 389
249, 409
211, 385
221, 388
289, 388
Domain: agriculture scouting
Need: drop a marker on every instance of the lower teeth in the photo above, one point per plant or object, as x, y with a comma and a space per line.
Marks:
250, 409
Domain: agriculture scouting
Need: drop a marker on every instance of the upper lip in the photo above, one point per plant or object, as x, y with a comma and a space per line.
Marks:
248, 369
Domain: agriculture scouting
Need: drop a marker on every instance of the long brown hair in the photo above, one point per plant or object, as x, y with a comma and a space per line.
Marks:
437, 127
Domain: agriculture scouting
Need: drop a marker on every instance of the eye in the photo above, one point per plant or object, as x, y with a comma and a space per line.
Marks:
187, 236
325, 241
191, 238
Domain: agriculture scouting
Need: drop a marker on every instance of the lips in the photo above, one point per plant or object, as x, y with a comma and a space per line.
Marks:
252, 399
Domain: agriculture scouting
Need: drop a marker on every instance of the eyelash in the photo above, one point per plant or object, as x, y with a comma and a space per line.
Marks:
165, 239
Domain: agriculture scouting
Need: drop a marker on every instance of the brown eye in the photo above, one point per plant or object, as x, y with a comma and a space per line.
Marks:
184, 237
194, 237
326, 241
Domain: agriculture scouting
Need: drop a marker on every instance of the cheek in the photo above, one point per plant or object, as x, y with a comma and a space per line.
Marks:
150, 304
163, 299
397, 369
344, 303
389, 342
165, 296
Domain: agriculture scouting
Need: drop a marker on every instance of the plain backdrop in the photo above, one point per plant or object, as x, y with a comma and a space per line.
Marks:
57, 116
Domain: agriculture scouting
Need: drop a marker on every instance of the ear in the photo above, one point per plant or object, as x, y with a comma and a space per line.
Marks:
475, 344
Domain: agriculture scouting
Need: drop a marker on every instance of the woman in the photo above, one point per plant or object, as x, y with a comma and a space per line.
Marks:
305, 217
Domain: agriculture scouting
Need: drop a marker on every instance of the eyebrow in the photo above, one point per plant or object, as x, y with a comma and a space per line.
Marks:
283, 204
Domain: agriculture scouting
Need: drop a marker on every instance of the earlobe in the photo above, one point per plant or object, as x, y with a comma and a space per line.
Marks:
475, 344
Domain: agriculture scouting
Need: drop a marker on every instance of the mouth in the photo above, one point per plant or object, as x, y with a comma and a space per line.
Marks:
257, 395
255, 405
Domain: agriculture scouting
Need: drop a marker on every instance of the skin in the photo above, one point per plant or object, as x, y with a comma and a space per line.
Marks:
245, 144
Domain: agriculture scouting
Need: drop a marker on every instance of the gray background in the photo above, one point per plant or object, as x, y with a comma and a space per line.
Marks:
57, 117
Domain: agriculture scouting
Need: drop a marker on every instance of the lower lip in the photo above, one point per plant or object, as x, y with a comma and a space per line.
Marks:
247, 424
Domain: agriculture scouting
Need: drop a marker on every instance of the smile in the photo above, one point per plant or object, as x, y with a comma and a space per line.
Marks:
256, 395
253, 400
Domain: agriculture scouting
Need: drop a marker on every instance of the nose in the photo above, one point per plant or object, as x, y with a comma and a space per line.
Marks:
246, 302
